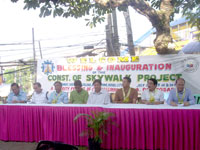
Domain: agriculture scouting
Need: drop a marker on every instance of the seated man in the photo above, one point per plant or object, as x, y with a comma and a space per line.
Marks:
126, 94
58, 96
180, 95
17, 95
39, 96
99, 96
79, 95
152, 95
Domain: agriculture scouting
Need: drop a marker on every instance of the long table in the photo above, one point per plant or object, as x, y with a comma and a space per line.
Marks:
137, 126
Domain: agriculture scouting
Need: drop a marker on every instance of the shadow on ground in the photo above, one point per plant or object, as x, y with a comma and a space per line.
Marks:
17, 146
22, 146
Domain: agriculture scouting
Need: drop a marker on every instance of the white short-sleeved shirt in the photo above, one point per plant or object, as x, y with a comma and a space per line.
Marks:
157, 94
40, 98
102, 97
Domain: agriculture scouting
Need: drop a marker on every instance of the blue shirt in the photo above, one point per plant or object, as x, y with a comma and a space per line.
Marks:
61, 98
20, 97
188, 96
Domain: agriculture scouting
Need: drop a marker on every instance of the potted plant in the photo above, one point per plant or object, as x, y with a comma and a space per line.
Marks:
96, 124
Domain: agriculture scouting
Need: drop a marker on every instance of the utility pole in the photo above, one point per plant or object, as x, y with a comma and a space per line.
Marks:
34, 54
1, 77
1, 72
129, 33
40, 49
115, 35
109, 37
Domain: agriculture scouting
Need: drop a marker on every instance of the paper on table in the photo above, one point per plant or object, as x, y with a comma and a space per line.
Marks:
180, 105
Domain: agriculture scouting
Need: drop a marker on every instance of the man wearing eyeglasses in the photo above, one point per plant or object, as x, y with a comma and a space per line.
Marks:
180, 95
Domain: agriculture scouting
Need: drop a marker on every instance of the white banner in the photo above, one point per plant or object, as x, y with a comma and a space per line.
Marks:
111, 70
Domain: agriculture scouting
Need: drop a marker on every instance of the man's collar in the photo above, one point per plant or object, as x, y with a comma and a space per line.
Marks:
59, 92
18, 93
40, 92
100, 92
152, 91
181, 91
80, 91
126, 87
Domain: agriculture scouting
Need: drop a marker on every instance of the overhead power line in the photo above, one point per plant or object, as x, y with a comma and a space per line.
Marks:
16, 49
57, 38
17, 62
71, 36
12, 65
56, 47
16, 70
15, 44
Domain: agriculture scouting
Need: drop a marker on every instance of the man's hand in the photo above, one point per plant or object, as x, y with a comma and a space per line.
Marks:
119, 102
173, 103
134, 101
186, 104
142, 101
4, 101
15, 101
148, 102
156, 102
152, 103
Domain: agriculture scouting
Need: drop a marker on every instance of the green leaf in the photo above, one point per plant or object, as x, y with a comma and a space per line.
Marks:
96, 123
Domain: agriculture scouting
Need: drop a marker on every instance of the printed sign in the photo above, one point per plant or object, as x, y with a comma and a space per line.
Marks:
111, 70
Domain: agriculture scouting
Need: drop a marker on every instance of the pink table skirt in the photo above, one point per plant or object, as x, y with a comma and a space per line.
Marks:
165, 129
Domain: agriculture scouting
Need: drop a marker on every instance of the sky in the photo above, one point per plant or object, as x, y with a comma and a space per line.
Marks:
58, 36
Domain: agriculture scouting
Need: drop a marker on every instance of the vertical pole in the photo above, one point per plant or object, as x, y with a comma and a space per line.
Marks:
116, 36
1, 72
34, 53
109, 37
129, 33
40, 49
1, 76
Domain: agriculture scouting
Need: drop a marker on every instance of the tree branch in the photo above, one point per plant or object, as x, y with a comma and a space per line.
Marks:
141, 6
159, 19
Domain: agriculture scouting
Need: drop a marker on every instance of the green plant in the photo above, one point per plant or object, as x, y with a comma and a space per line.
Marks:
96, 123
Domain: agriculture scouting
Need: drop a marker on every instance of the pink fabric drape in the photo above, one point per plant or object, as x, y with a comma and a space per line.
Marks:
167, 129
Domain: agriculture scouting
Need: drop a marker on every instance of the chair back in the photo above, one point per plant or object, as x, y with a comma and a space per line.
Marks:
197, 98
50, 145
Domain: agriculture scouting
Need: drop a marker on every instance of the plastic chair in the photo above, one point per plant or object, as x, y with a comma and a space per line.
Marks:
112, 97
197, 97
50, 145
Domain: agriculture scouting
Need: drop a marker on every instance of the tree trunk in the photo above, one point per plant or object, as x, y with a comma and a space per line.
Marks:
163, 36
129, 33
116, 45
109, 37
159, 19
162, 40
